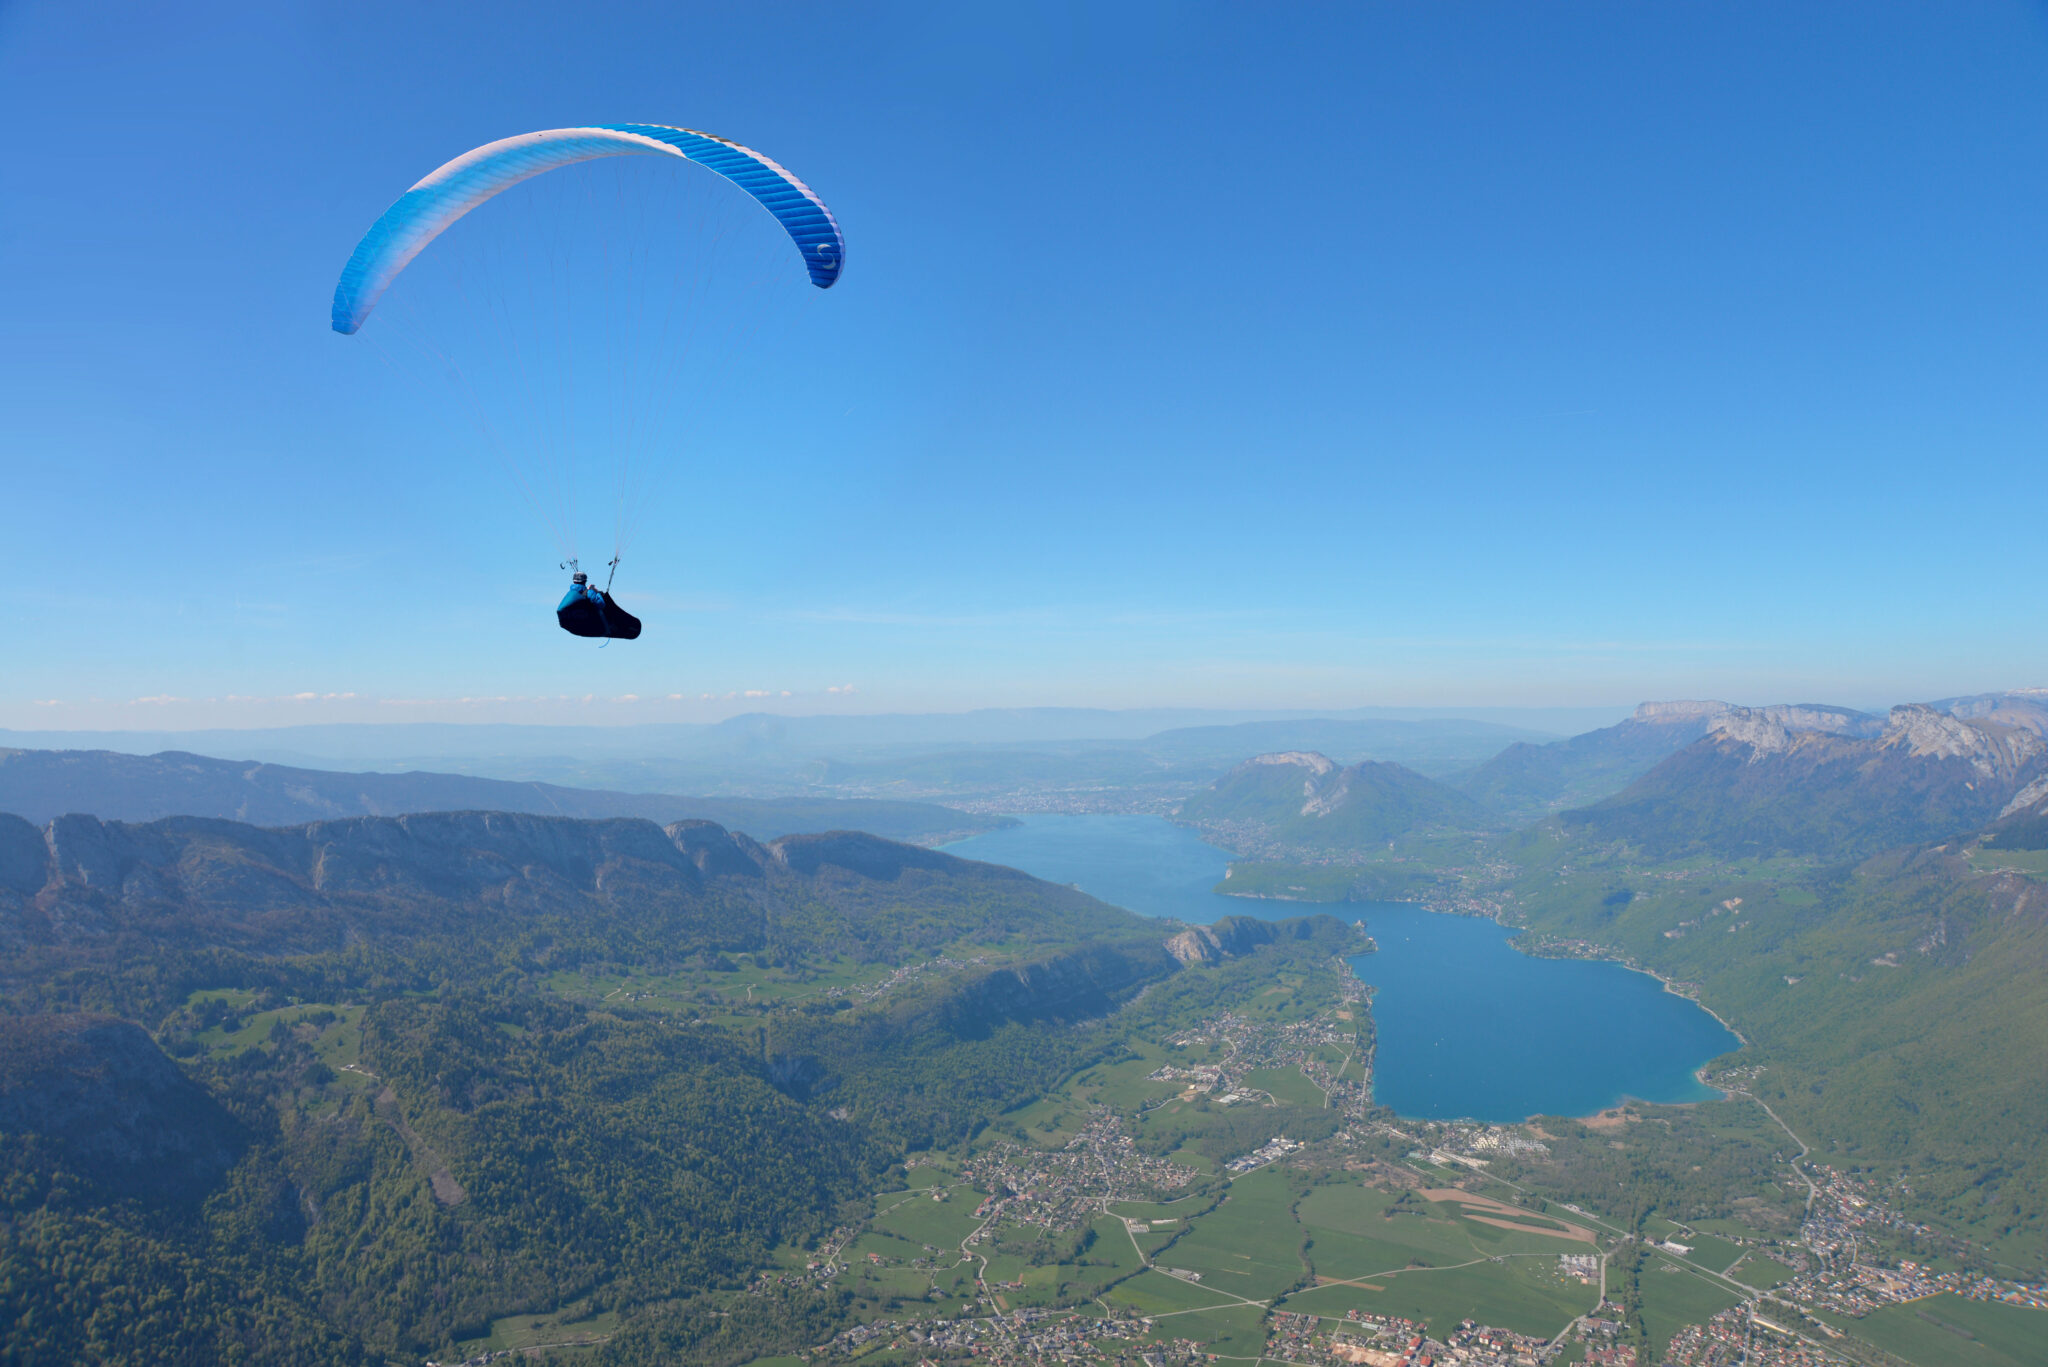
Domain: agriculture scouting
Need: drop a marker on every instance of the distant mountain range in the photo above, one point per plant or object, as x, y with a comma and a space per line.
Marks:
1021, 754
343, 745
1681, 778
42, 784
1831, 782
1673, 779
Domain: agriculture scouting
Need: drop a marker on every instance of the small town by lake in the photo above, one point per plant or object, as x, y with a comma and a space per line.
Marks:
1469, 1027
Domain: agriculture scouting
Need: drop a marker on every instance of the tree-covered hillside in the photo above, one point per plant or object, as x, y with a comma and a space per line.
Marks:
1306, 801
352, 1092
1898, 1007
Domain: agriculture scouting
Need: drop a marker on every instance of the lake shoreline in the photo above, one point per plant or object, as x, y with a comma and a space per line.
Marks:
1675, 986
1464, 1029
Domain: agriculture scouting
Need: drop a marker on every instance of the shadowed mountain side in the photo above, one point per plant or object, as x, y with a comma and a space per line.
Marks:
1304, 799
552, 887
42, 784
1762, 782
2023, 822
96, 1097
1527, 780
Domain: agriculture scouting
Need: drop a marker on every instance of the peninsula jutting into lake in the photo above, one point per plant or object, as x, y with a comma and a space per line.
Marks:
1467, 1026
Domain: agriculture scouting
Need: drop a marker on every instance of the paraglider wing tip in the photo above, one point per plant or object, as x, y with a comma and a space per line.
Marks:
343, 314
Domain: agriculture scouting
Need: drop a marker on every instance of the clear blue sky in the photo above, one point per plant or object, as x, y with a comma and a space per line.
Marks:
1187, 354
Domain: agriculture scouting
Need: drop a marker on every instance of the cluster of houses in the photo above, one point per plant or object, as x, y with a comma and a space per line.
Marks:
1069, 1189
1372, 1340
1742, 1336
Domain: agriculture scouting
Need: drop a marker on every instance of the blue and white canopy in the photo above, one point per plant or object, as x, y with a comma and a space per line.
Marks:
425, 211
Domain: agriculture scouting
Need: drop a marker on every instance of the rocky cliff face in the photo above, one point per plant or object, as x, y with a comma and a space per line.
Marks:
1995, 750
2026, 708
1318, 765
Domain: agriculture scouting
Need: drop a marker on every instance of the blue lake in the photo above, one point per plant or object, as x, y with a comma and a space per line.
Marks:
1468, 1027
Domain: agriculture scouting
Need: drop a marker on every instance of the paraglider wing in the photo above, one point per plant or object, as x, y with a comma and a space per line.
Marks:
426, 210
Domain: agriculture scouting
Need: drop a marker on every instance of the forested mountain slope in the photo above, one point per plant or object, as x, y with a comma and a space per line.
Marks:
41, 784
541, 893
1898, 1008
390, 1128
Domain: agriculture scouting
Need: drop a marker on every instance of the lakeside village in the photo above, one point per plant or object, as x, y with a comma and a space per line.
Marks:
1030, 1190
1069, 1189
1249, 1044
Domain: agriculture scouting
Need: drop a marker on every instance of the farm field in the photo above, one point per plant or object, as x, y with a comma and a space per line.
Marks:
1675, 1296
1948, 1331
1524, 1294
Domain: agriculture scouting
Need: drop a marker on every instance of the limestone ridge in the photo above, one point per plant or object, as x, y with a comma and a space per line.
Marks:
445, 854
189, 882
1235, 936
1995, 746
1830, 781
1314, 763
